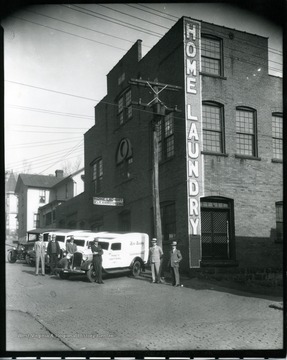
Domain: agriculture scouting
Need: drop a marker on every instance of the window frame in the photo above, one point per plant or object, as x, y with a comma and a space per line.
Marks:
274, 157
163, 137
124, 106
97, 177
254, 135
222, 128
220, 60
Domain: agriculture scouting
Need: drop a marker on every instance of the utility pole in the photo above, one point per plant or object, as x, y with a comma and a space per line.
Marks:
158, 113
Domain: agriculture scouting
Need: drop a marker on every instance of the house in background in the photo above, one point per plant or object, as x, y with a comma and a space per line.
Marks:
33, 192
66, 189
11, 208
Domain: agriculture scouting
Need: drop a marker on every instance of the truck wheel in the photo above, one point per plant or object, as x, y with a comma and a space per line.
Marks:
91, 274
11, 259
64, 276
136, 269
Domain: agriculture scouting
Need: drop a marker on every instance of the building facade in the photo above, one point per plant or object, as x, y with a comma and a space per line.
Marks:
64, 190
220, 148
33, 192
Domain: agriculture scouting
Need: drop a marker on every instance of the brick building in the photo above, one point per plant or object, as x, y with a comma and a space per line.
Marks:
220, 141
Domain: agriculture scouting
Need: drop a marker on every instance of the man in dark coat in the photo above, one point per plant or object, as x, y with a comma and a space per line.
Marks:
175, 258
97, 260
54, 252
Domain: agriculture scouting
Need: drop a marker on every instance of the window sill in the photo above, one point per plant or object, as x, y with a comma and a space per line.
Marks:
162, 162
246, 157
219, 263
213, 76
279, 161
213, 153
124, 181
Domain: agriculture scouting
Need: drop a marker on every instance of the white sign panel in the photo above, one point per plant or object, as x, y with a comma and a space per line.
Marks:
108, 201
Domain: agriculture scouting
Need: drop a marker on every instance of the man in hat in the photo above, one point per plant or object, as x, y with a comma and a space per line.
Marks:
54, 252
175, 258
71, 248
97, 260
154, 259
40, 255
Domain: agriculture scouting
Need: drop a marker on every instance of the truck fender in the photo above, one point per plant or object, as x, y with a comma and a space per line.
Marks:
137, 259
86, 266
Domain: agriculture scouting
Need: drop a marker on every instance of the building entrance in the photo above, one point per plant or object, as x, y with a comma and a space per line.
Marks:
215, 229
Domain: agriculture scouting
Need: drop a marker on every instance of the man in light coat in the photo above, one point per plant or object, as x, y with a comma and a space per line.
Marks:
40, 255
174, 260
154, 259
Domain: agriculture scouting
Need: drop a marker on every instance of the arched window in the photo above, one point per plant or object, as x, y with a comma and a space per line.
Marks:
124, 159
213, 127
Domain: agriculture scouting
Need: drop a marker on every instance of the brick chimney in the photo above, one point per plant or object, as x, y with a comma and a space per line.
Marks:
59, 173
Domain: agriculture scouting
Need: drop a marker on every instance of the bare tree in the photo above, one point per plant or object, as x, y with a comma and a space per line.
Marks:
70, 167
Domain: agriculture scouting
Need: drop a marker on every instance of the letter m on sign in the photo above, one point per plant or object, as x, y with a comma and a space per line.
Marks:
194, 251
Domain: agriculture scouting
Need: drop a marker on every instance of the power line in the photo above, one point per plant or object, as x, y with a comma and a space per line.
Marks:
82, 27
80, 116
113, 20
49, 127
43, 143
66, 32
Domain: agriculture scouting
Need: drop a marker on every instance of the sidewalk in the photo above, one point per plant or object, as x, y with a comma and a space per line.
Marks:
270, 293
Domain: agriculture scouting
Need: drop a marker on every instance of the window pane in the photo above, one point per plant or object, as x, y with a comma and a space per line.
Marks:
210, 48
211, 117
244, 122
212, 141
120, 105
170, 147
244, 144
277, 135
212, 128
210, 66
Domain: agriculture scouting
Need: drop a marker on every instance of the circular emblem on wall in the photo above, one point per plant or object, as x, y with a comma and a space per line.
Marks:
124, 150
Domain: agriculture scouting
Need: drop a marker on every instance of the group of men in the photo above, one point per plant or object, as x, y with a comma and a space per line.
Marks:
55, 260
54, 251
156, 258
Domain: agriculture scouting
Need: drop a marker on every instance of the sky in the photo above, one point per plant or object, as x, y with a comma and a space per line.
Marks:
56, 58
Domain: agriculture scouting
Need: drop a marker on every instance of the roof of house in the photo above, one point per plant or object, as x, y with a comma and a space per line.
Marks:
38, 181
10, 184
67, 178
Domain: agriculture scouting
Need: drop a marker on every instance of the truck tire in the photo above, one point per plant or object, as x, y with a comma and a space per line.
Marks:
136, 268
11, 259
91, 274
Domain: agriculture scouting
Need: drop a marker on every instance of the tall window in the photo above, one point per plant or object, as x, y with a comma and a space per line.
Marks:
212, 116
246, 131
36, 221
42, 196
165, 132
211, 55
98, 175
279, 221
125, 107
277, 136
168, 221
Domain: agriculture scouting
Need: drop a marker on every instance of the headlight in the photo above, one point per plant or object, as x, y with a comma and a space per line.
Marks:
85, 257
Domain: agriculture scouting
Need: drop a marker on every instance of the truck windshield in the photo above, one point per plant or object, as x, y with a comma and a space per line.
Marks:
60, 238
79, 242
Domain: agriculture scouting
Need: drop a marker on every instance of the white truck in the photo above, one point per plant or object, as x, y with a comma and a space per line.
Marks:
121, 252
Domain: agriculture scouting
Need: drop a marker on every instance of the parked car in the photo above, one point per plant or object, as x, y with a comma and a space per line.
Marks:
121, 253
19, 252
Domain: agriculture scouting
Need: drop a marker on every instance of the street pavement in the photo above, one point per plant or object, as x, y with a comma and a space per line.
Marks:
47, 313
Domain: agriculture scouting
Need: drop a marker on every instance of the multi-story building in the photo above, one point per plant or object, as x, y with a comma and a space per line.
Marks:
11, 208
67, 188
33, 192
220, 148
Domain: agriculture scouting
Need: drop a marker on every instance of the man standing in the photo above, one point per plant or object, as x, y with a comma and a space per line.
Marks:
54, 251
40, 255
97, 260
175, 258
155, 256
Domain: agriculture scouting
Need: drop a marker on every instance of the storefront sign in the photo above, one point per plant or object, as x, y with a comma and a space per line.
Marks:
193, 136
108, 201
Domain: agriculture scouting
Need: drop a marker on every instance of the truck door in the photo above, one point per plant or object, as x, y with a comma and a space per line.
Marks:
113, 257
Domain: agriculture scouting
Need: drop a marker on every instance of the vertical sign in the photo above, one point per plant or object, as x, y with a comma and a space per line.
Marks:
193, 136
